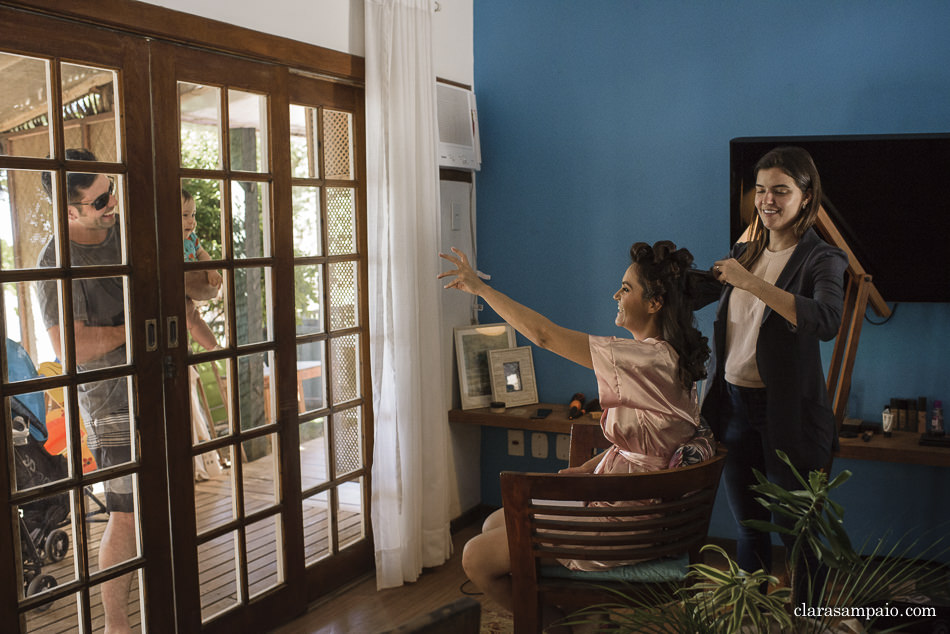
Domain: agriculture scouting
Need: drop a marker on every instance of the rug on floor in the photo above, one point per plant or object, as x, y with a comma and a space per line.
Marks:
495, 620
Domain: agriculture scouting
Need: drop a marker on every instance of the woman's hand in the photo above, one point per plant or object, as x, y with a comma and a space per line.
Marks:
587, 467
731, 272
570, 344
466, 279
781, 301
576, 470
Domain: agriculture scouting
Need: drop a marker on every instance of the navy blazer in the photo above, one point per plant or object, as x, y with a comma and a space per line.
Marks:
800, 419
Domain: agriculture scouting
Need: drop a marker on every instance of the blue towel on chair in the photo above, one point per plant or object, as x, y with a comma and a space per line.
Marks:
653, 571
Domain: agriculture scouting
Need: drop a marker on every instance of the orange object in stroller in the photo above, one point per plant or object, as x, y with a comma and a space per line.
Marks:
56, 421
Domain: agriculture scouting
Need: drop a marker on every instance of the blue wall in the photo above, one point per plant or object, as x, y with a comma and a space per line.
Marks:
606, 122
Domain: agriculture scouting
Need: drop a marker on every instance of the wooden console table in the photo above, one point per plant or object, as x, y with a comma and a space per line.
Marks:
902, 447
520, 418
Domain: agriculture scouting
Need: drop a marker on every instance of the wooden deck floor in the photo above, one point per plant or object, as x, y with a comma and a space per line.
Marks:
217, 562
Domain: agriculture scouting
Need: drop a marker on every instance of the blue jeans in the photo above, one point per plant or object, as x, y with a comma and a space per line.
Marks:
749, 446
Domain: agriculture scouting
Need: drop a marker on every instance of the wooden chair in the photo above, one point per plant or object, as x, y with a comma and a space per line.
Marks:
547, 519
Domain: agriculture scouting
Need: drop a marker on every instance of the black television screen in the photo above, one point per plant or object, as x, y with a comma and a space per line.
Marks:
884, 194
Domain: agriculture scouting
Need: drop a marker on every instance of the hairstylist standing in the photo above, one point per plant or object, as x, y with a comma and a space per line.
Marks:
782, 293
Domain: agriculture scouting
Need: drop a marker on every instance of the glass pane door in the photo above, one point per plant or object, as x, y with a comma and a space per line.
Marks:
184, 372
330, 325
77, 428
218, 217
261, 224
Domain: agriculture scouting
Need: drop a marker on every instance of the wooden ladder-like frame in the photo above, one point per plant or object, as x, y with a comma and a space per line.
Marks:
859, 292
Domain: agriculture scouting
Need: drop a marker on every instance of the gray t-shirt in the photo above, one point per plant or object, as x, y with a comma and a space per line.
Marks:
96, 302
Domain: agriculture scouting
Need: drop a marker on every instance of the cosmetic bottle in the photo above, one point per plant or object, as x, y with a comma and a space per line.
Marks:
887, 421
921, 414
936, 421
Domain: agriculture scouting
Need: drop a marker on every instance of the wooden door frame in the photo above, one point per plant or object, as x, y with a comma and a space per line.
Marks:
30, 34
168, 25
336, 72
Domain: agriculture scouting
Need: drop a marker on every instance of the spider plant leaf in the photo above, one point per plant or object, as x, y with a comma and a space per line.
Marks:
711, 573
839, 479
784, 458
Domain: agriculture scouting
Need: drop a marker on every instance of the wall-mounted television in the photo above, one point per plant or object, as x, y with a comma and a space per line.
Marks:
885, 194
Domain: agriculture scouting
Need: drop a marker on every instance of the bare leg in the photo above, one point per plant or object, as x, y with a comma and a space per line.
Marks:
199, 330
117, 545
487, 563
495, 520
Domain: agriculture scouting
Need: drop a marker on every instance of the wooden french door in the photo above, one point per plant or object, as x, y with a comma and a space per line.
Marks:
251, 450
274, 491
66, 386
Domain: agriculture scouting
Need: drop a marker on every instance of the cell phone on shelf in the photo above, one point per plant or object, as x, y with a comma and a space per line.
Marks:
541, 413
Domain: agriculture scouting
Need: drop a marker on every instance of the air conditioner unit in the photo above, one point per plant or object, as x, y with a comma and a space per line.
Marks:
458, 128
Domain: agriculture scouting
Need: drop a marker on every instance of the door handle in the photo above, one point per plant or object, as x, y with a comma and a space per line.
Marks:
151, 335
172, 329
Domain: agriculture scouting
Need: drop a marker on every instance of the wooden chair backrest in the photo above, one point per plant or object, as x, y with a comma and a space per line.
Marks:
548, 516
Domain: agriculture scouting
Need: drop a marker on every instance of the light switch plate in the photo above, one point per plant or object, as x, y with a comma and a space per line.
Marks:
563, 447
539, 445
515, 442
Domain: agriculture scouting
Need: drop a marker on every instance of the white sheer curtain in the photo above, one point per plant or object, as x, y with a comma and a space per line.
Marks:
410, 457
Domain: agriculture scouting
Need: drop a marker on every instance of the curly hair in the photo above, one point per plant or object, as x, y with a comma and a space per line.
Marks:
661, 270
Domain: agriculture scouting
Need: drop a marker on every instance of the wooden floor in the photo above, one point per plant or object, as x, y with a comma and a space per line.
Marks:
217, 564
361, 608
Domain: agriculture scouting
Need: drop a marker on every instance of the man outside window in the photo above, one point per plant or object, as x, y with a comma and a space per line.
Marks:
99, 328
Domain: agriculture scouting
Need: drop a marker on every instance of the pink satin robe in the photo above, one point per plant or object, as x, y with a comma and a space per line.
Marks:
648, 413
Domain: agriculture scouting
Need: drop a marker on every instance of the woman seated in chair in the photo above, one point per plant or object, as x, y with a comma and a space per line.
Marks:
646, 384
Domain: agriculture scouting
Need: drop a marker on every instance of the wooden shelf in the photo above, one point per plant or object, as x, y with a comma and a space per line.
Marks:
520, 418
902, 446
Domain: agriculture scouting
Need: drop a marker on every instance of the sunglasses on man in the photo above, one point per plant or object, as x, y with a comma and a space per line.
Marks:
100, 202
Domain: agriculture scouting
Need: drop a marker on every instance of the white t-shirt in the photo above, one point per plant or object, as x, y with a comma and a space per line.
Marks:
744, 318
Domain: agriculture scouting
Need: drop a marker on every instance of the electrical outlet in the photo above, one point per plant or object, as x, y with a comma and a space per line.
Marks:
563, 447
515, 442
539, 445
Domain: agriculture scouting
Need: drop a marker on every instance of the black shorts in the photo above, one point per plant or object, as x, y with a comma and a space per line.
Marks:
119, 496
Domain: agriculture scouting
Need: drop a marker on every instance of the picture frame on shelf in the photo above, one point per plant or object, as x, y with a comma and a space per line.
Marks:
512, 376
472, 344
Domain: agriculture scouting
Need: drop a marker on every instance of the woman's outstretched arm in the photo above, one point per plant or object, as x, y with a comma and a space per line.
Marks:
570, 344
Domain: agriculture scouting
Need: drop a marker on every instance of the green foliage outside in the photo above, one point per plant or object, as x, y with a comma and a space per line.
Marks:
200, 151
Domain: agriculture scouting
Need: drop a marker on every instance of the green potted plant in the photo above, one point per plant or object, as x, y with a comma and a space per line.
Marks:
856, 592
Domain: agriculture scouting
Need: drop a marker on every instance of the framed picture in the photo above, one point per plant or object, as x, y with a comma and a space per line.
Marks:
472, 344
512, 376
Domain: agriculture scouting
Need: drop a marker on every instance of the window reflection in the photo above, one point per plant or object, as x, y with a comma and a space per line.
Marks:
247, 113
24, 127
200, 115
90, 101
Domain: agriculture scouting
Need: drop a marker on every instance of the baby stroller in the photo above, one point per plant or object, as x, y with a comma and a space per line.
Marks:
41, 538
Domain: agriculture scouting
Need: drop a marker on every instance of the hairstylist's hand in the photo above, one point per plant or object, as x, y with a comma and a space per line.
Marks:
731, 272
466, 279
